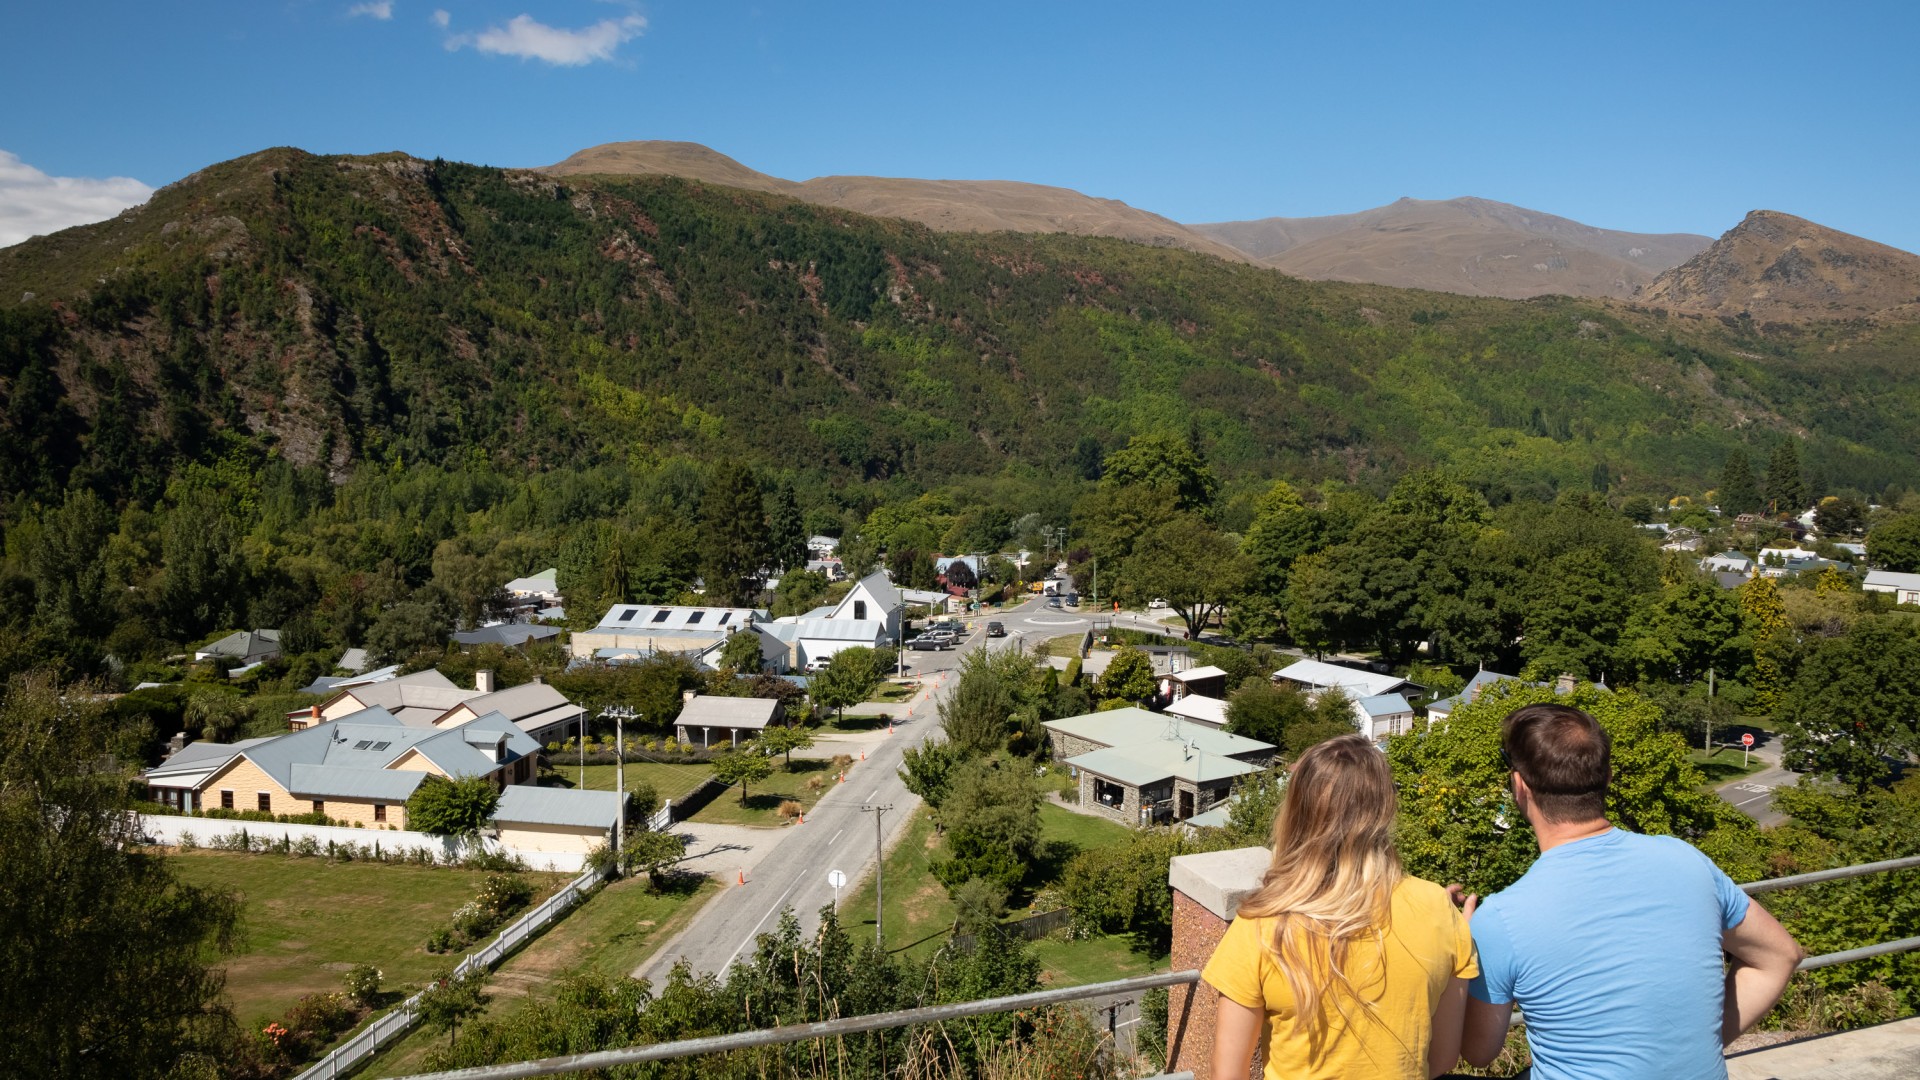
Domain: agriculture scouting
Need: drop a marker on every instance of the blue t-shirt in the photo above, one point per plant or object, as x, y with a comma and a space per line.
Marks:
1611, 947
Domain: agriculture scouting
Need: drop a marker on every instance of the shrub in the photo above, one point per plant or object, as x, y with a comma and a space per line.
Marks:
441, 940
815, 783
187, 842
306, 847
788, 809
842, 762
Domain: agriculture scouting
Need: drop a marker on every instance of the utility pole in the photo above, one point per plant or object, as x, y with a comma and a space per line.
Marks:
1707, 743
620, 714
879, 874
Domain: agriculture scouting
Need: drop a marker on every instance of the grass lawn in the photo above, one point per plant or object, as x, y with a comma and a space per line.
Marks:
870, 717
891, 693
1724, 764
306, 921
1092, 960
614, 932
765, 797
1067, 645
669, 781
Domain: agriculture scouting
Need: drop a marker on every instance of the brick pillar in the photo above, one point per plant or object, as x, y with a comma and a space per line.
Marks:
1207, 890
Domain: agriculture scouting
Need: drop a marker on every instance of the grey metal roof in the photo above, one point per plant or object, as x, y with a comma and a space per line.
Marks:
878, 587
348, 782
1207, 672
531, 805
1147, 763
867, 631
652, 618
245, 645
1384, 705
1889, 579
730, 712
1201, 708
1354, 682
1129, 726
512, 635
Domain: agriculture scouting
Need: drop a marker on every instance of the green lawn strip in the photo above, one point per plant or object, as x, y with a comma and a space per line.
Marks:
893, 693
764, 798
1067, 645
1724, 764
1077, 962
306, 921
669, 781
614, 932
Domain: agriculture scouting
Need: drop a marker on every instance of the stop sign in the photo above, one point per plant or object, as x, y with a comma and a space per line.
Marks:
1747, 739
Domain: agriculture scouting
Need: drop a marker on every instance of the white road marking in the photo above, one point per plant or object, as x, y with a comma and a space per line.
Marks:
755, 932
1764, 794
876, 792
836, 838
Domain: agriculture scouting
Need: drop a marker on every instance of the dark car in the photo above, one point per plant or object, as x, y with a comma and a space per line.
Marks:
1073, 599
928, 643
994, 629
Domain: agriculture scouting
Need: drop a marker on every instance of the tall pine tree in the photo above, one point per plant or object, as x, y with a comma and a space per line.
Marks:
786, 531
1786, 485
1738, 493
733, 534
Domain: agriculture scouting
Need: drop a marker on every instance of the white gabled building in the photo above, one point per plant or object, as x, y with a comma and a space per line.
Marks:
1904, 587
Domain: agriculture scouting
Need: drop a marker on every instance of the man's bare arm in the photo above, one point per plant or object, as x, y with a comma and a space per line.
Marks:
1486, 1031
1764, 956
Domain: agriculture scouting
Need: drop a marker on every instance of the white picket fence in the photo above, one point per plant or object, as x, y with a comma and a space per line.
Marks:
395, 1023
170, 829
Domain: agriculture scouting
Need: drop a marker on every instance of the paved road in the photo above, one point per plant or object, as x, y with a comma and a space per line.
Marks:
1753, 794
793, 872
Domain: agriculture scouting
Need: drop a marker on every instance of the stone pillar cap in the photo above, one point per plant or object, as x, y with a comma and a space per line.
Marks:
1219, 880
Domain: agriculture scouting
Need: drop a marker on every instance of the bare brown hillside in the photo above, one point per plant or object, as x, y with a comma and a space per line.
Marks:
946, 205
1461, 245
1779, 268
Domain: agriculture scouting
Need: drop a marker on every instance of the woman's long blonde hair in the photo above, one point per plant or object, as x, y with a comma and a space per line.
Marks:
1333, 874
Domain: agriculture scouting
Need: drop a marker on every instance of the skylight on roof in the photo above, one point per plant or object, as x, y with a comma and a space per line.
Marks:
661, 615
363, 744
724, 616
694, 617
627, 615
381, 745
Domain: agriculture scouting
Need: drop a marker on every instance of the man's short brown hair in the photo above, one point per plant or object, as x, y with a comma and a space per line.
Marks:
1564, 755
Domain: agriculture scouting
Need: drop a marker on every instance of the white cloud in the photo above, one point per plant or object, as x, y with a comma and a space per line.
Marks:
530, 39
33, 203
441, 18
376, 9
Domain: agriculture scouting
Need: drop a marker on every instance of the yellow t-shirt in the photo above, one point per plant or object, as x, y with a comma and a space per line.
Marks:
1403, 974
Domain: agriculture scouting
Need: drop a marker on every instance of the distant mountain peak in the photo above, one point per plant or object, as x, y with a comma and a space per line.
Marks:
1774, 266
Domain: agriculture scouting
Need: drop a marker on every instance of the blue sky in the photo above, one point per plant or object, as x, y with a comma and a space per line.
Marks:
1649, 117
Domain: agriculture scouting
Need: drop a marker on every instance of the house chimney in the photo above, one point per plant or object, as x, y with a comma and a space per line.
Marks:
1565, 683
483, 680
686, 696
313, 714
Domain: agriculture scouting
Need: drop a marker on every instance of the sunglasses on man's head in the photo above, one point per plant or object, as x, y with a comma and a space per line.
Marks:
1506, 759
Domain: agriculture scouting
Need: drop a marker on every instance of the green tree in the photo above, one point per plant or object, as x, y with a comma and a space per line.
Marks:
975, 714
106, 952
442, 807
216, 713
784, 740
1164, 461
928, 769
849, 678
1738, 492
1840, 515
742, 767
1764, 616
1786, 484
1894, 544
786, 531
450, 999
1679, 632
1129, 676
73, 590
1195, 569
741, 652
733, 532
406, 629
1637, 508
652, 852
1255, 805
1855, 704
992, 819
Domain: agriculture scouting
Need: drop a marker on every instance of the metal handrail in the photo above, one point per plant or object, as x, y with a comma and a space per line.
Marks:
601, 1059
744, 1040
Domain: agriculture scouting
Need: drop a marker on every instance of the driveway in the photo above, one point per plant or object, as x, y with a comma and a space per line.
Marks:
1752, 794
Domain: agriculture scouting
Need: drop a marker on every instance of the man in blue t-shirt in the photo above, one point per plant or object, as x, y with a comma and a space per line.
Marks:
1612, 943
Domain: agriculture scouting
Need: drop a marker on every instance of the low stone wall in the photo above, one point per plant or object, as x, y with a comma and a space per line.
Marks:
170, 829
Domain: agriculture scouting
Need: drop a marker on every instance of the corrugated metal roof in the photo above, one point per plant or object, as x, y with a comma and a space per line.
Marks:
531, 805
1147, 763
1384, 705
1207, 672
1353, 682
732, 712
1126, 727
513, 635
348, 782
1207, 710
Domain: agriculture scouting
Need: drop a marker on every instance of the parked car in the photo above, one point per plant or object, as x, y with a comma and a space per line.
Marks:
818, 663
933, 639
1156, 603
994, 629
1073, 599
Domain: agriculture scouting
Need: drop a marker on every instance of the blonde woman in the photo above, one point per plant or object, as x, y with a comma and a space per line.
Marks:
1350, 967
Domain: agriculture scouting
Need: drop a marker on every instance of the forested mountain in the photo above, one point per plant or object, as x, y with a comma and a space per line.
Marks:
333, 311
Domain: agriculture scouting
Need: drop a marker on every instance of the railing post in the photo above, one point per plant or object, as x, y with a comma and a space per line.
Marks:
1207, 890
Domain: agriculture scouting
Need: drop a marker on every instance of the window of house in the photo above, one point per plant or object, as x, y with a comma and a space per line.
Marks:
381, 745
264, 800
694, 617
859, 609
363, 744
319, 806
226, 800
379, 811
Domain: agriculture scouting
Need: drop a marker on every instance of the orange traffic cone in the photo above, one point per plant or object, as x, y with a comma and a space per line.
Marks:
803, 819
843, 778
863, 755
743, 877
889, 727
